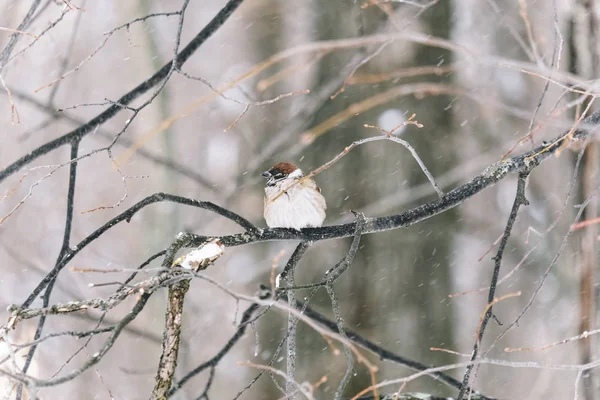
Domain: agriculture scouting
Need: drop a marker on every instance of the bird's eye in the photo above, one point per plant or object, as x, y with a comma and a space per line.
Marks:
278, 175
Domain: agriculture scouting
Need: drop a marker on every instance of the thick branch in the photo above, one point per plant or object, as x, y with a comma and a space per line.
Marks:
490, 176
171, 340
173, 321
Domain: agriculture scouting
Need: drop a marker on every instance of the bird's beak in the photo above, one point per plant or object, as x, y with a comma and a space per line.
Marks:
266, 175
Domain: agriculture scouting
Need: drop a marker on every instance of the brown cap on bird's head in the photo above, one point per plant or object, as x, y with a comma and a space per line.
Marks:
280, 171
284, 167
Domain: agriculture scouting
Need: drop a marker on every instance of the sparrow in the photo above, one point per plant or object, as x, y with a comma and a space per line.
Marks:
290, 200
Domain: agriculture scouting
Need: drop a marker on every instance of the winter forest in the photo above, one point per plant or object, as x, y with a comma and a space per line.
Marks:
454, 142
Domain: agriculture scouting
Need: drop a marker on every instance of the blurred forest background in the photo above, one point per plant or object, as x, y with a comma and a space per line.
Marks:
478, 75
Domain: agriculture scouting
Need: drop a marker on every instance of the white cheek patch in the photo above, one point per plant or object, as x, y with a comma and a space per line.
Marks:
296, 174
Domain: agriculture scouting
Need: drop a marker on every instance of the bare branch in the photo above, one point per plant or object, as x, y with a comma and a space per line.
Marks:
288, 274
520, 200
171, 339
94, 359
14, 38
129, 97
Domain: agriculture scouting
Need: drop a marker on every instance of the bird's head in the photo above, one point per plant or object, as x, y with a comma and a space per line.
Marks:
281, 172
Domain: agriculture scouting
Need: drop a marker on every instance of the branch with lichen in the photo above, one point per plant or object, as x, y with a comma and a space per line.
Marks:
146, 286
195, 260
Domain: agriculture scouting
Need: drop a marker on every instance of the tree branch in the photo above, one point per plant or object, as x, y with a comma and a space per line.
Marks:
129, 97
173, 320
171, 339
380, 351
222, 353
94, 359
126, 216
489, 177
520, 200
172, 165
63, 250
14, 38
291, 388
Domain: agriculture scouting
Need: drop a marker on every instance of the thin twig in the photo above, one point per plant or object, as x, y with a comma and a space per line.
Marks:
14, 114
298, 386
247, 315
480, 361
94, 359
347, 149
520, 200
390, 136
584, 335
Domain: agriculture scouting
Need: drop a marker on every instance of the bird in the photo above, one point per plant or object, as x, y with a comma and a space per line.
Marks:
292, 200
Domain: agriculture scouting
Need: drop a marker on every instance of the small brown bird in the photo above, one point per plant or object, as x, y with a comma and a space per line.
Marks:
290, 201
